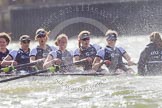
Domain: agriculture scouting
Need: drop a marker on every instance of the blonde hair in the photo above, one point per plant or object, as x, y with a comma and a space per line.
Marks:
59, 37
41, 29
6, 37
111, 32
156, 38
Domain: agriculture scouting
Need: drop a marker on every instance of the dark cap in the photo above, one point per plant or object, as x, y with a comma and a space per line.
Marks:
112, 37
24, 38
40, 32
84, 35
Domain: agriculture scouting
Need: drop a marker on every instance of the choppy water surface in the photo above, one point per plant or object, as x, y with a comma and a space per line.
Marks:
86, 91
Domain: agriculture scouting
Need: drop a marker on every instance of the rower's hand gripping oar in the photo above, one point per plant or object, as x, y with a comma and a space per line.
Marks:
10, 68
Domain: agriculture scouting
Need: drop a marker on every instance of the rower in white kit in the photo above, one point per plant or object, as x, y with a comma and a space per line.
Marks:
86, 52
112, 55
61, 57
43, 49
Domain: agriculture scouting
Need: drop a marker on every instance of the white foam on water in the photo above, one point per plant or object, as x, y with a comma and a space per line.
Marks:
87, 91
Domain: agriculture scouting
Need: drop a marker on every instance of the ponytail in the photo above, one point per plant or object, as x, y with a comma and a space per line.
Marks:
80, 47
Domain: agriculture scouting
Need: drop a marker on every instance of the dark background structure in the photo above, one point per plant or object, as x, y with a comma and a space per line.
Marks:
128, 17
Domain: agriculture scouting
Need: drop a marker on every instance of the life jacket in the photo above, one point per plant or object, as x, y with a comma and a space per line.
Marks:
66, 58
89, 52
115, 56
22, 57
154, 60
41, 53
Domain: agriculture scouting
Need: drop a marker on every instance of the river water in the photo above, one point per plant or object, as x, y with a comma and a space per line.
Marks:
87, 91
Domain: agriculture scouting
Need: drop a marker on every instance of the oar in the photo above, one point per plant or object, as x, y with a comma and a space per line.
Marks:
128, 65
74, 63
51, 69
10, 68
80, 62
81, 74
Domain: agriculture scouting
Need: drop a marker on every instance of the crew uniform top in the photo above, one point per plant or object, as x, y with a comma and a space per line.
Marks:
20, 56
114, 55
150, 60
91, 51
40, 53
66, 57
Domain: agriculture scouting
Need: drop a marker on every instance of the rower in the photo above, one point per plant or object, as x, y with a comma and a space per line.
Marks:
61, 57
4, 41
111, 55
150, 61
85, 53
43, 49
20, 56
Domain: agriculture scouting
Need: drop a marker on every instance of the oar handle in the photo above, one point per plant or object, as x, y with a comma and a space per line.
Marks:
54, 68
25, 65
29, 64
80, 62
7, 69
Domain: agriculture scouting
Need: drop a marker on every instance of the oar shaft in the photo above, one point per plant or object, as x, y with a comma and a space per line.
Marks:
152, 62
128, 65
25, 65
86, 74
22, 76
61, 74
51, 69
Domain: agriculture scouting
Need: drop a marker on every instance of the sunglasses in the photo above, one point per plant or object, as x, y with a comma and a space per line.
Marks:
41, 36
112, 37
25, 41
85, 39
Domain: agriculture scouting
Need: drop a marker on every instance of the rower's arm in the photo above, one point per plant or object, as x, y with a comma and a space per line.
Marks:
128, 59
142, 63
7, 61
97, 63
48, 62
32, 59
77, 61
